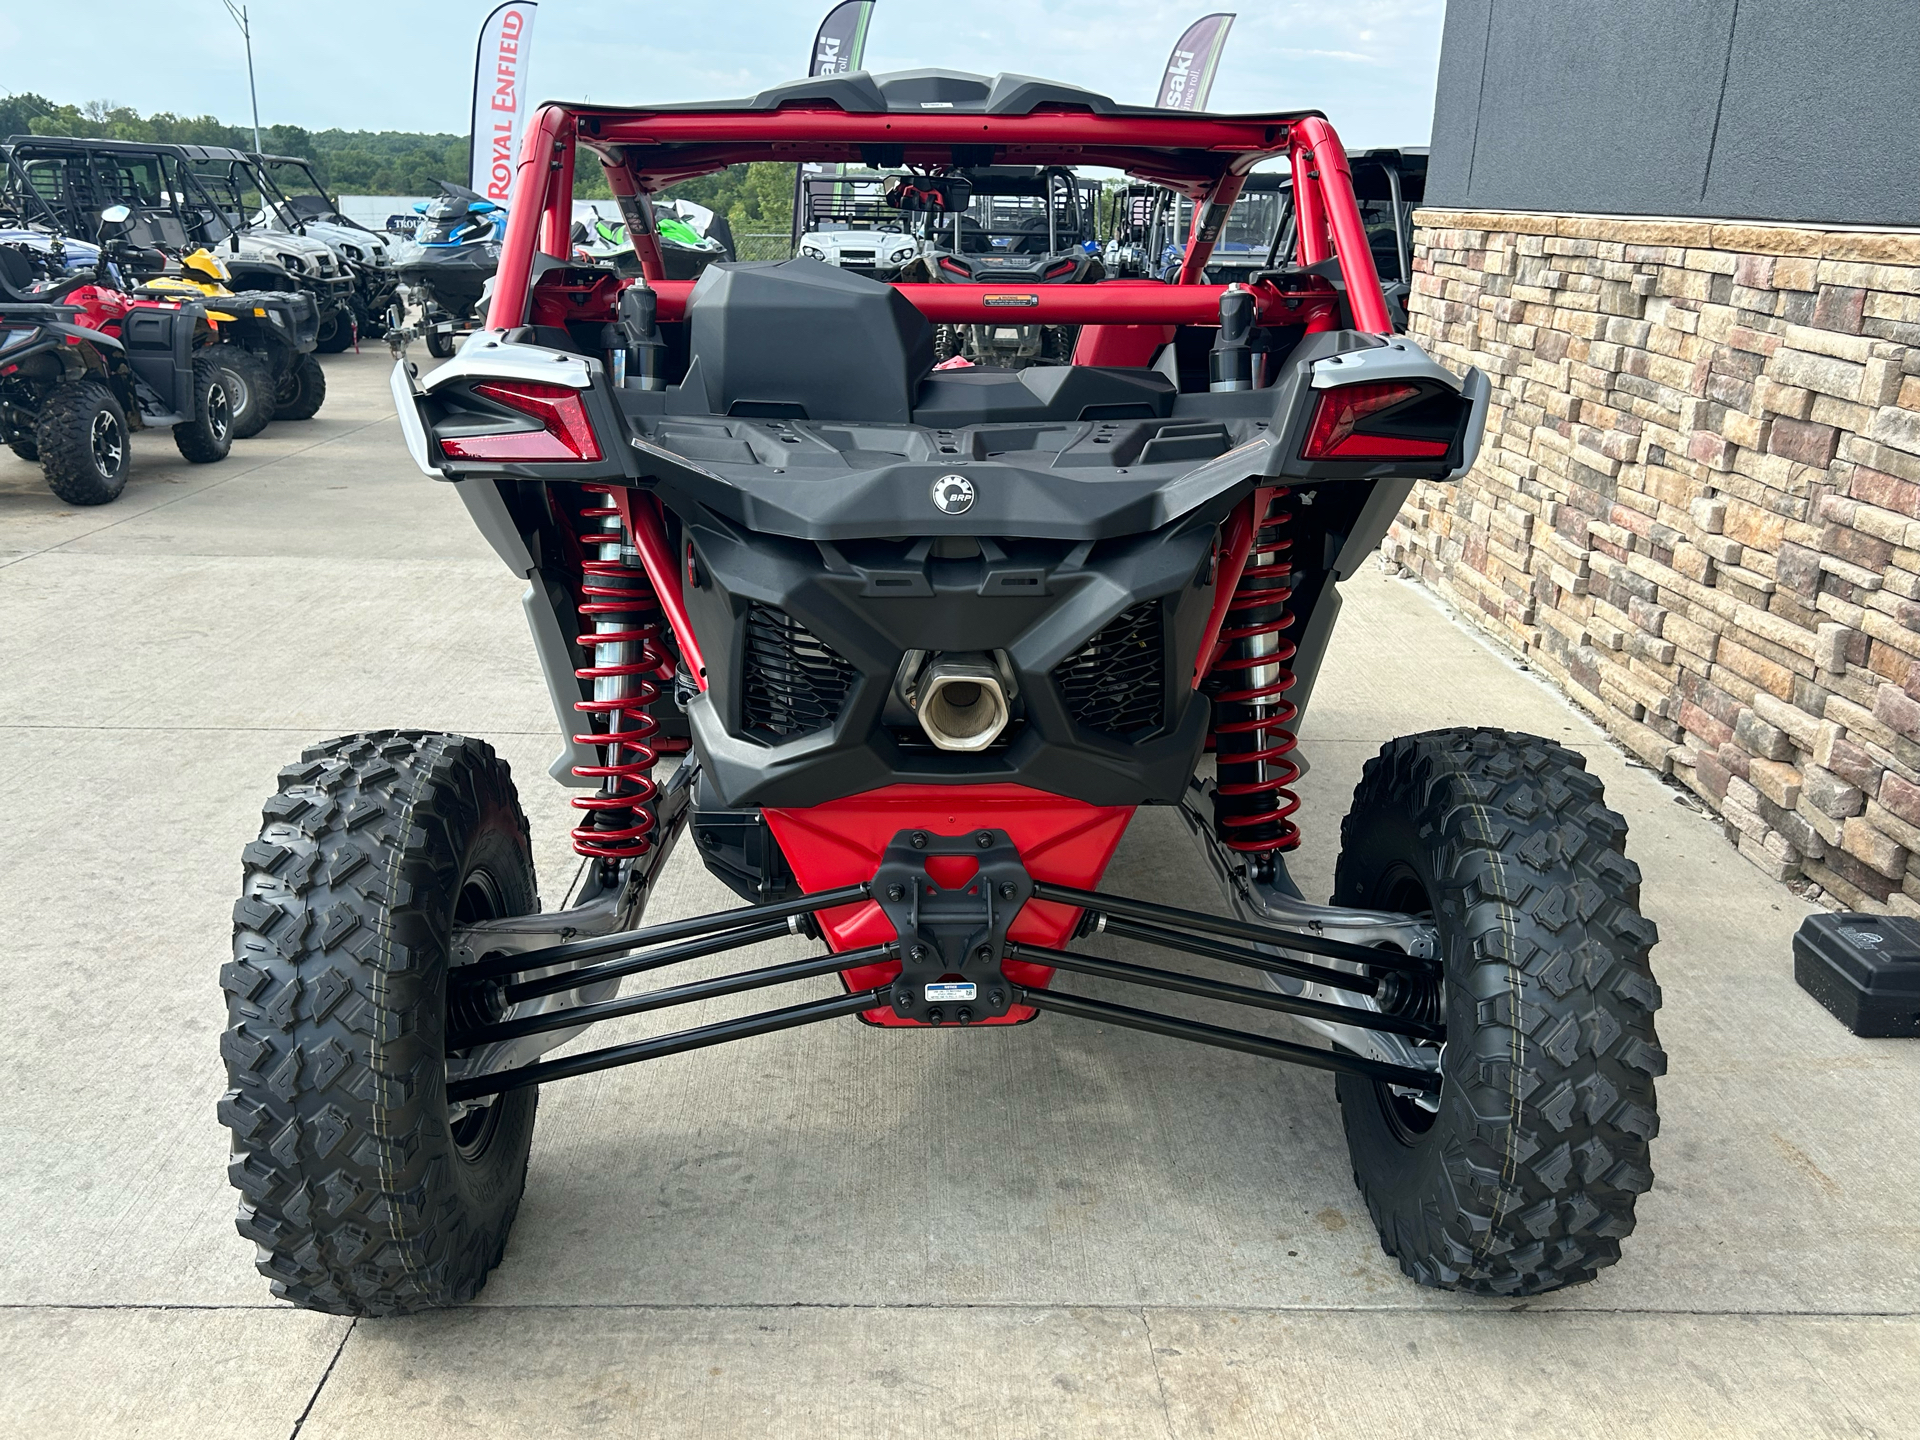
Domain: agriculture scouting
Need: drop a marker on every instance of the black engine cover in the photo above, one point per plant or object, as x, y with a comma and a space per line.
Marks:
803, 641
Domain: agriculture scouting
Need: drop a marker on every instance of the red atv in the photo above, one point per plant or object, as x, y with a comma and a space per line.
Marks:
922, 642
82, 362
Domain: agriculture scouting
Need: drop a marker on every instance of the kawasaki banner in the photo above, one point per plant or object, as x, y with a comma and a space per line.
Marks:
500, 98
842, 40
1196, 55
839, 46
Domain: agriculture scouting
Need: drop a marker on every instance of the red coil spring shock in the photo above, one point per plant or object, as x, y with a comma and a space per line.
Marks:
1252, 741
626, 649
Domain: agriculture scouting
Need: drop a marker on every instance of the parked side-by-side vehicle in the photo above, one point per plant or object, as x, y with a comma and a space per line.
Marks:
932, 632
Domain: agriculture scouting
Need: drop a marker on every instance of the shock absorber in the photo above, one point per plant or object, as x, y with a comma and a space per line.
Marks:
626, 647
1253, 741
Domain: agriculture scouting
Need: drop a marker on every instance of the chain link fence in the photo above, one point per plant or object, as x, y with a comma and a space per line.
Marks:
763, 245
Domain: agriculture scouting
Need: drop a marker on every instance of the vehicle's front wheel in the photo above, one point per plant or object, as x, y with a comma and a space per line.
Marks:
80, 436
303, 391
207, 434
336, 333
250, 388
366, 1192
26, 450
1523, 1177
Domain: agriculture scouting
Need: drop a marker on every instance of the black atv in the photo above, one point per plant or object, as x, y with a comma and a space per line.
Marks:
265, 338
82, 362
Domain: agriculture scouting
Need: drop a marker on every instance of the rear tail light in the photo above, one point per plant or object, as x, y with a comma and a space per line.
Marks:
1065, 267
954, 267
1388, 421
567, 434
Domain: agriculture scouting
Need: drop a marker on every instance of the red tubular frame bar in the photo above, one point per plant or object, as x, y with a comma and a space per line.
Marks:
1211, 158
1316, 153
1209, 215
648, 528
1110, 302
550, 128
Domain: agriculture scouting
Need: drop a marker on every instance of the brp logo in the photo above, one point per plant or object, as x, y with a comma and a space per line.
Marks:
953, 494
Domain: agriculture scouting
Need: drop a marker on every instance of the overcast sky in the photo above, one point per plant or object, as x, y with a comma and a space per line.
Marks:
407, 64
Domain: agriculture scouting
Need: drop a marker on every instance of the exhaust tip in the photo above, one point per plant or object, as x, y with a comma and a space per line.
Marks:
961, 704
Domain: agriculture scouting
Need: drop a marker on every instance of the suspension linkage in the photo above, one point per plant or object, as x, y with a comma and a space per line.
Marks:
686, 994
1107, 908
1221, 990
679, 1042
594, 947
1125, 1016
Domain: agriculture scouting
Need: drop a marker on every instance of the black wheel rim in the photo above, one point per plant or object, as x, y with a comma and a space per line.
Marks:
473, 1131
219, 410
109, 447
1418, 997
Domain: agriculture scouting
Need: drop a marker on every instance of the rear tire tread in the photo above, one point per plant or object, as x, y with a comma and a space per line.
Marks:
1548, 1107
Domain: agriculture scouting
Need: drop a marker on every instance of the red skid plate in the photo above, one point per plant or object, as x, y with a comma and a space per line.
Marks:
841, 842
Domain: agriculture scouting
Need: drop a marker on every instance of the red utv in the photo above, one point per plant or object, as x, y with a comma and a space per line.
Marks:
934, 635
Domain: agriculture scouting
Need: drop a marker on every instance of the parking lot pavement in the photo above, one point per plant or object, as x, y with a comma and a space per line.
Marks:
1053, 1229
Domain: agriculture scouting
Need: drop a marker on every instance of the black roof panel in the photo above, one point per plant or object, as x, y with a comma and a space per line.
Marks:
860, 92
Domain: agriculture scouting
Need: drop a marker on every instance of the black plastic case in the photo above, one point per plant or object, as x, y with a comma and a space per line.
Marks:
1864, 968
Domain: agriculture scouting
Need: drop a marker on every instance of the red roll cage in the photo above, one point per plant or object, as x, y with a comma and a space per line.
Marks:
1205, 157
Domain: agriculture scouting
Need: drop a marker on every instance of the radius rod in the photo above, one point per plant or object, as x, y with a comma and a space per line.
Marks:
595, 946
1105, 969
678, 1043
1129, 1018
1109, 908
685, 994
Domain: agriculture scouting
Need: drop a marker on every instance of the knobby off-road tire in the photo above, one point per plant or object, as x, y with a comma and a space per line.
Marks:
336, 335
252, 390
80, 436
207, 434
364, 1194
303, 391
1525, 1179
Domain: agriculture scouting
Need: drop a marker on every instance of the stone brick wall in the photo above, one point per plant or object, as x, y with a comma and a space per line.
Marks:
1698, 509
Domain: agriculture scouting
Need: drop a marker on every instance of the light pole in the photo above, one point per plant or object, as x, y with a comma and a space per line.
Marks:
239, 14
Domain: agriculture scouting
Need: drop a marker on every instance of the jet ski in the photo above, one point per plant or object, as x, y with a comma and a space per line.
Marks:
445, 267
691, 238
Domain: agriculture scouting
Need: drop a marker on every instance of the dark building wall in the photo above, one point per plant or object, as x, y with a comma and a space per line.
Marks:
1791, 110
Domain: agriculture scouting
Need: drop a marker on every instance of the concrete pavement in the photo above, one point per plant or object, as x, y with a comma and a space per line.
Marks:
1058, 1229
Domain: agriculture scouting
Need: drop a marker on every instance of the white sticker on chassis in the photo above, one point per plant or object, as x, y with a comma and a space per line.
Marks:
951, 990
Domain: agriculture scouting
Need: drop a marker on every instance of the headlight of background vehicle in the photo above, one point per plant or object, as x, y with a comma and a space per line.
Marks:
295, 265
901, 256
813, 252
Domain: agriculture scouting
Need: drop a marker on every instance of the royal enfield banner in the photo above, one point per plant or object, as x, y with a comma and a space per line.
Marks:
1190, 67
838, 47
500, 98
